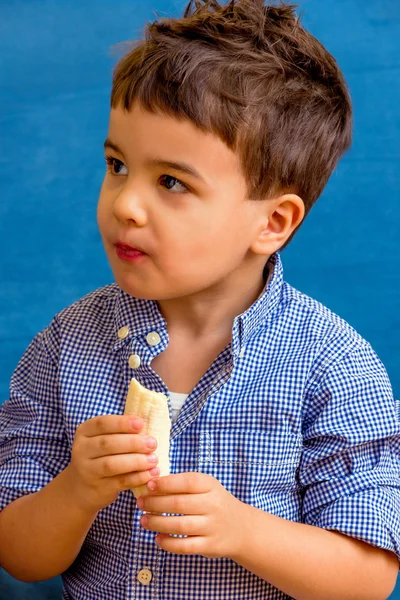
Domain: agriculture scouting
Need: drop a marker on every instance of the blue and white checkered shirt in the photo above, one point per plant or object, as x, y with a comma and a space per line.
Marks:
296, 417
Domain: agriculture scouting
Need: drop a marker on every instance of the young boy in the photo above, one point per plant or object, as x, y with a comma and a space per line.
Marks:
224, 129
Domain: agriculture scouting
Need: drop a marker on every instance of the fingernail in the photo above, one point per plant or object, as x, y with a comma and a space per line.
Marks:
135, 423
151, 485
143, 520
154, 471
151, 442
152, 458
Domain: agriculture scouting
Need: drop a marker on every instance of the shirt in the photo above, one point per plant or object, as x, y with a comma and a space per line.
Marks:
295, 416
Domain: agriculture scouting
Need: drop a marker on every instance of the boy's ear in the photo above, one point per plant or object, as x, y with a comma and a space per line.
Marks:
280, 218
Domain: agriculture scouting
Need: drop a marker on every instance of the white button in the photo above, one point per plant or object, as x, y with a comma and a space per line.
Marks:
123, 332
145, 576
134, 361
241, 353
153, 338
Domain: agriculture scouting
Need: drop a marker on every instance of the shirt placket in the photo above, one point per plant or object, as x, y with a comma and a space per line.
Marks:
145, 566
146, 555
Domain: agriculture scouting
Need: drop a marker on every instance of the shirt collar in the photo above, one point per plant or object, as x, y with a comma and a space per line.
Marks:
137, 316
245, 325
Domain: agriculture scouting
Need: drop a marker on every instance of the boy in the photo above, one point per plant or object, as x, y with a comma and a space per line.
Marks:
225, 126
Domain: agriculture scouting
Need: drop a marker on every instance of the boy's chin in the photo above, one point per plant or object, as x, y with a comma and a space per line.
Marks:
157, 295
136, 291
144, 292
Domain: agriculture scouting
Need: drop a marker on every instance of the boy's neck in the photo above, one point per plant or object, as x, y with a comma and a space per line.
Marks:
212, 312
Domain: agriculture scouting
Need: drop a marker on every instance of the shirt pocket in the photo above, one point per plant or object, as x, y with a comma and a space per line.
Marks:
258, 467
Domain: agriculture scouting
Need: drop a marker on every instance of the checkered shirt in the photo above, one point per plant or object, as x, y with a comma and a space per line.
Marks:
295, 417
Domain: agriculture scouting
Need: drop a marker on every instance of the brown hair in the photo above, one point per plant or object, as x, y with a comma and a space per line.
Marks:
252, 75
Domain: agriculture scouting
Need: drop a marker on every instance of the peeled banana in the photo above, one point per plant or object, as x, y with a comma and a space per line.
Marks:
152, 407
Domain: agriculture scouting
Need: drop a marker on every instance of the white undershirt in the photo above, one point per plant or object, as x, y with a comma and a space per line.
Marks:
177, 401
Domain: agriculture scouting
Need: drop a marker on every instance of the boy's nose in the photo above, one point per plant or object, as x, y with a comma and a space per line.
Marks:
129, 207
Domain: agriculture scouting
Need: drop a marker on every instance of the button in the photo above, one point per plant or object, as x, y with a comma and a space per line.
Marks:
134, 361
153, 338
241, 353
145, 576
123, 332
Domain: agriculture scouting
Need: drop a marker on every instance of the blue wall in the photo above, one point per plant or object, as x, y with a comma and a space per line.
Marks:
54, 90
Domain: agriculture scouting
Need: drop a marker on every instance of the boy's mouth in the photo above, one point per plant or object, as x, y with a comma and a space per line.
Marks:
128, 253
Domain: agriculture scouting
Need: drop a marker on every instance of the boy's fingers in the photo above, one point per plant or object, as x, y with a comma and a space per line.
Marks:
121, 443
106, 424
118, 464
182, 483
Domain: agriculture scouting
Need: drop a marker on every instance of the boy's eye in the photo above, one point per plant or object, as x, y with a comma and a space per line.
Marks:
115, 166
169, 182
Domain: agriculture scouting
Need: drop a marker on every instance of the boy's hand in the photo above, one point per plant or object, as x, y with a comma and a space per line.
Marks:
108, 456
213, 520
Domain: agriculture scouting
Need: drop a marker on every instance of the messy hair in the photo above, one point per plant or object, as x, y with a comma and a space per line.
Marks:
252, 75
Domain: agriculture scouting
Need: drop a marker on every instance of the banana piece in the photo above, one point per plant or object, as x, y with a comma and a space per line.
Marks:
152, 407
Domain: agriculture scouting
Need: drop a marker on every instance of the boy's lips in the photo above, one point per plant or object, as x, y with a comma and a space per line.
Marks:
126, 252
128, 248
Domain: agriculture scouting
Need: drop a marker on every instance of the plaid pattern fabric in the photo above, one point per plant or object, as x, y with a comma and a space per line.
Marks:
296, 417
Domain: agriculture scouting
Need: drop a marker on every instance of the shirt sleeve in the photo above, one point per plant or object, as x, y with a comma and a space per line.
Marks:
33, 443
350, 467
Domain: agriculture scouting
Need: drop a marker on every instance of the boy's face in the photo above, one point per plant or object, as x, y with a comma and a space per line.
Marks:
195, 233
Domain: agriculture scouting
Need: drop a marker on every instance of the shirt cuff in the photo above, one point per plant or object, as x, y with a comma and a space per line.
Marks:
371, 516
20, 476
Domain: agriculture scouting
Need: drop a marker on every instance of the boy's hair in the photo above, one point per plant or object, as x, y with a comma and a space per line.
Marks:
252, 75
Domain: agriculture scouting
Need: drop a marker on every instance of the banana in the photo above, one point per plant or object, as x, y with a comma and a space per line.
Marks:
152, 407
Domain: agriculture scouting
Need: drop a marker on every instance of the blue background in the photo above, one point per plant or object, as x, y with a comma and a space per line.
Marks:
56, 68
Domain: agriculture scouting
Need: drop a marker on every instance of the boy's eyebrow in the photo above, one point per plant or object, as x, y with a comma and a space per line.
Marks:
159, 162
